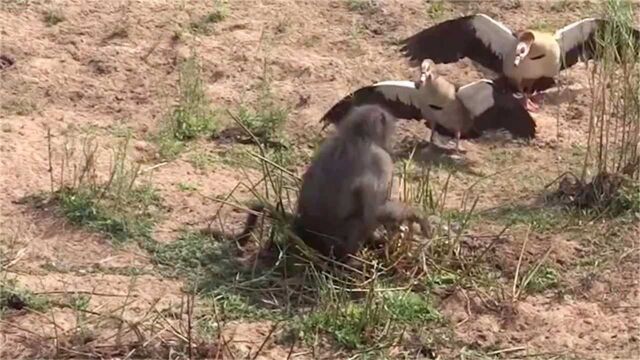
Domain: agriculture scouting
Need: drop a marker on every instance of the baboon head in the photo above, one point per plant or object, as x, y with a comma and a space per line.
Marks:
372, 123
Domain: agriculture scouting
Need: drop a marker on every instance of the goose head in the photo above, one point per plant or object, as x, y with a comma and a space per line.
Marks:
525, 40
426, 72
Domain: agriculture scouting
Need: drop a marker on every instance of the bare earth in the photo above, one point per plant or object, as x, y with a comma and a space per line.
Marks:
112, 65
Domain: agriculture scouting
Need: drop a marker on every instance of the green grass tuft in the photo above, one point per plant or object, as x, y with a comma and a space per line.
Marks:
203, 25
121, 219
119, 206
16, 298
266, 122
53, 17
544, 278
354, 325
192, 117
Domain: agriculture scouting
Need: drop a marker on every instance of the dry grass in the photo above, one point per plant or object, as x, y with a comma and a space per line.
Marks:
127, 251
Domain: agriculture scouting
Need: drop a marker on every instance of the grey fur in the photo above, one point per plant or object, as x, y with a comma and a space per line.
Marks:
345, 190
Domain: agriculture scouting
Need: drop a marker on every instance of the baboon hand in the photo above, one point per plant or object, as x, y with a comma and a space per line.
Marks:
393, 211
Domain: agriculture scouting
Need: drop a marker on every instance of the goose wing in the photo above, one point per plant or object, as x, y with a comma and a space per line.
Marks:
579, 40
478, 37
493, 107
400, 98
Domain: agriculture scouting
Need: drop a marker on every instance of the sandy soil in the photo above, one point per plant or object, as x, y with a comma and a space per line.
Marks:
113, 64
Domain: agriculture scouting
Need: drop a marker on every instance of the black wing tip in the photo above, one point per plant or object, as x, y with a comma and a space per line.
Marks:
337, 112
340, 109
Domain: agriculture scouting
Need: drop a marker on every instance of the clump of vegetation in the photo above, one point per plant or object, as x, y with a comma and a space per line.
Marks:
192, 117
120, 218
118, 206
436, 9
203, 25
261, 124
376, 320
53, 17
18, 106
363, 6
610, 193
614, 122
544, 278
12, 297
265, 122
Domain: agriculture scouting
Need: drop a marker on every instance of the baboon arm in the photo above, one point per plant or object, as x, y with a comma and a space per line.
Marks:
393, 211
362, 222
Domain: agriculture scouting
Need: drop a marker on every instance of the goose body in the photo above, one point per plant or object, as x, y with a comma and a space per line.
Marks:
529, 59
462, 112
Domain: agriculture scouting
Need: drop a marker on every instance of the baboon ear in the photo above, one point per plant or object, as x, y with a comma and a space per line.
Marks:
386, 119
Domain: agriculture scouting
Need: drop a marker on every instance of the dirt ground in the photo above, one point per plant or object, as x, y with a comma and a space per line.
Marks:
110, 65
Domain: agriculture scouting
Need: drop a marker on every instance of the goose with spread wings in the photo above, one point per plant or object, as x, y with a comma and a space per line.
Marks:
529, 59
462, 112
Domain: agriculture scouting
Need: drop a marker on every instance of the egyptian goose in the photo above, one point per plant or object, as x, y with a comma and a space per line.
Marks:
528, 59
462, 112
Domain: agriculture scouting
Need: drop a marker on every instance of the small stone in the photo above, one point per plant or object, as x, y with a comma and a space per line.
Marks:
141, 145
6, 127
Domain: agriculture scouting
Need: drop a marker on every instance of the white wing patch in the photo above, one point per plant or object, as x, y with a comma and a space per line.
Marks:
477, 97
401, 90
573, 34
399, 83
494, 34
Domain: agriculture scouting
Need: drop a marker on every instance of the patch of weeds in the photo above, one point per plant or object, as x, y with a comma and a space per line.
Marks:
121, 218
12, 297
19, 106
169, 147
356, 31
233, 307
541, 26
93, 269
212, 267
440, 279
363, 6
239, 157
265, 122
79, 302
354, 324
540, 218
118, 207
244, 156
544, 278
121, 130
203, 25
281, 26
186, 187
202, 160
560, 5
310, 40
53, 17
608, 194
436, 9
191, 117
628, 200
195, 253
119, 31
503, 156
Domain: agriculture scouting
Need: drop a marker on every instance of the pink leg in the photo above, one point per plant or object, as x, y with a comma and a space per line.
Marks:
537, 97
528, 104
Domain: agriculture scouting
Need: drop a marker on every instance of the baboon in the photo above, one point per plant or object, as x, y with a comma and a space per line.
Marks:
345, 190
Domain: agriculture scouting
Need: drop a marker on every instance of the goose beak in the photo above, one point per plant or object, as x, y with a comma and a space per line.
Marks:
517, 60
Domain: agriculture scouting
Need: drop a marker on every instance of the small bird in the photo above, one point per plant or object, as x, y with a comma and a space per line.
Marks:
529, 59
462, 112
